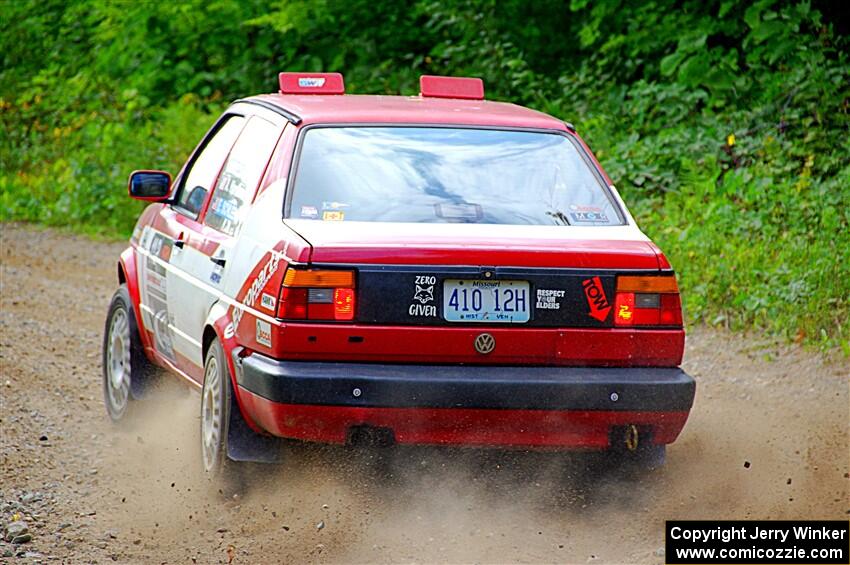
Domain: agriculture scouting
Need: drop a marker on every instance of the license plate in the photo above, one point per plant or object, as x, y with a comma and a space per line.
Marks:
486, 301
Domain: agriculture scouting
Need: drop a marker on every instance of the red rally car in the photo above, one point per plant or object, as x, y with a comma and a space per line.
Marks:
432, 269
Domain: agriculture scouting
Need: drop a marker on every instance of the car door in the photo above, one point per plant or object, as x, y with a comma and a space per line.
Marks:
169, 243
204, 258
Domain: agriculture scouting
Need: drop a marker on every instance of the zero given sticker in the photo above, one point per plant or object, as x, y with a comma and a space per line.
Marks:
423, 293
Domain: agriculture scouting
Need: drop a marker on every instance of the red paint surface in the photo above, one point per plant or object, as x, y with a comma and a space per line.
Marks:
532, 346
663, 263
353, 108
421, 244
451, 87
458, 426
127, 264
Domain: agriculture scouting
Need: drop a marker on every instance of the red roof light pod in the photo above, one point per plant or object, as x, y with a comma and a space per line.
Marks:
466, 88
311, 83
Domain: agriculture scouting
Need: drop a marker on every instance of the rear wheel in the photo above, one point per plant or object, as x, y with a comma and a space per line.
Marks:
215, 411
126, 369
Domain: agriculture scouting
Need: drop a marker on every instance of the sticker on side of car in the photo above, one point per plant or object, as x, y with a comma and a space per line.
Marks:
264, 333
268, 301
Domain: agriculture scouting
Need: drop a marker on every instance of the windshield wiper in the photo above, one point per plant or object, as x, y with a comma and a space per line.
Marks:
558, 215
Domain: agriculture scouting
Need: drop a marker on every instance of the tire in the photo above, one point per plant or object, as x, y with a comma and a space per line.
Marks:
127, 372
216, 405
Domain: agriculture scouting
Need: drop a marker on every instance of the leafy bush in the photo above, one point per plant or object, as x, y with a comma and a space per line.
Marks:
724, 123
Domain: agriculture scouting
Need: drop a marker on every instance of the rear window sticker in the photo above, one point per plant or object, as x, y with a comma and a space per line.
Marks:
333, 216
589, 217
588, 214
549, 299
264, 333
459, 212
584, 208
333, 205
309, 212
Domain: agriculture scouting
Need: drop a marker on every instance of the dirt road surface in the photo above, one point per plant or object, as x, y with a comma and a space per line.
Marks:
768, 438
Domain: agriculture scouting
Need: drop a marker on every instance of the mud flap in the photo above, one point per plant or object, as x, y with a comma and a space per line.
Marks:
243, 443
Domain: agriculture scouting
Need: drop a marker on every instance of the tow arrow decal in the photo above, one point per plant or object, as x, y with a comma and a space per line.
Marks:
596, 299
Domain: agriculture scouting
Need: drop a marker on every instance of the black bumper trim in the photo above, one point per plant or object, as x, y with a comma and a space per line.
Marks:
466, 386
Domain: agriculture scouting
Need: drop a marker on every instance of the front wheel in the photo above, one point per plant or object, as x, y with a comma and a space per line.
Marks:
126, 369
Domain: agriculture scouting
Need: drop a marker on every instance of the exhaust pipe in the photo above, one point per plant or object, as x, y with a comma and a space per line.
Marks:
632, 438
629, 438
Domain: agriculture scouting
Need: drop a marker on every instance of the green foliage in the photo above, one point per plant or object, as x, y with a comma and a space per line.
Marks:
724, 123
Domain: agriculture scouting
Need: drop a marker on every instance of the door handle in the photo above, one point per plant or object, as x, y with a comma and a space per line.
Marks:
179, 242
220, 261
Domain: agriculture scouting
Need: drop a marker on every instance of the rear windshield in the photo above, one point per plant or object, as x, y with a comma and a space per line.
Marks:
442, 175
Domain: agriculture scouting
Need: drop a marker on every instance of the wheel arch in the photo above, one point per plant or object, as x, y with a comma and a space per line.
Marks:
209, 335
219, 325
127, 275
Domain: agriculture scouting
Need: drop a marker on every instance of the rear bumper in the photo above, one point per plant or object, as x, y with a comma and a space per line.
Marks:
469, 405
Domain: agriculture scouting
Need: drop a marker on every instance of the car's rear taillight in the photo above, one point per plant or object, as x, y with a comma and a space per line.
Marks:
317, 294
647, 301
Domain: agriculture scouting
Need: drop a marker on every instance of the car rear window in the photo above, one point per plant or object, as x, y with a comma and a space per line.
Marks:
447, 175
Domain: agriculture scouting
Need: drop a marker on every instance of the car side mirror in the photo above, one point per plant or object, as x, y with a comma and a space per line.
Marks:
152, 186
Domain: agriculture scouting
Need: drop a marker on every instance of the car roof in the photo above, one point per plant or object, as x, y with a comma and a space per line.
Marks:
378, 109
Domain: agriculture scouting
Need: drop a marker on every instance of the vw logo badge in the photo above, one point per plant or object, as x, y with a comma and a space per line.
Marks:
485, 343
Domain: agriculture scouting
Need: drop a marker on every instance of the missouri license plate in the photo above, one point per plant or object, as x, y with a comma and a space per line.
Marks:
505, 302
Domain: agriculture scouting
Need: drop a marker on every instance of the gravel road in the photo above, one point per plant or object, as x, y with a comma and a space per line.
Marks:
768, 438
